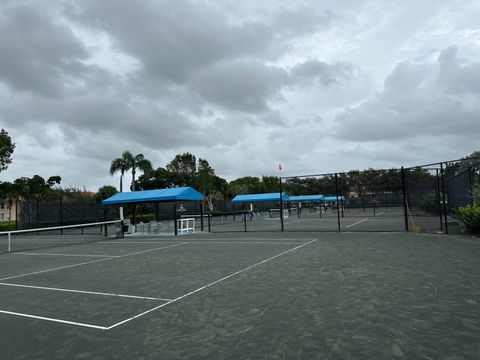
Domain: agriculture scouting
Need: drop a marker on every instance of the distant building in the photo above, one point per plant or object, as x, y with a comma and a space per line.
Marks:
8, 210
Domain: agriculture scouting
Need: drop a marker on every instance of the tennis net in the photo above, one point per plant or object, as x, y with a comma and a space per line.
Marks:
31, 239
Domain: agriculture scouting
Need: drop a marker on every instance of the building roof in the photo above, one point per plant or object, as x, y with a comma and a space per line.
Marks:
334, 198
307, 198
249, 198
171, 194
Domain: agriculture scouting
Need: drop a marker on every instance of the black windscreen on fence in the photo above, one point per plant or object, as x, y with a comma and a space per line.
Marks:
46, 213
421, 198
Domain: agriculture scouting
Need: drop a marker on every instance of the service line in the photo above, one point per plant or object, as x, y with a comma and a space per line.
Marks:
210, 284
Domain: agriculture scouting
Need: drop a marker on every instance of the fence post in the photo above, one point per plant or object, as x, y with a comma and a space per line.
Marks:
105, 227
61, 213
444, 198
470, 181
281, 205
437, 198
404, 191
338, 204
37, 210
245, 221
201, 216
16, 214
175, 218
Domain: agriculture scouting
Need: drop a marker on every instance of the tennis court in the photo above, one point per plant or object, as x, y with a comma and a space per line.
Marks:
355, 220
248, 295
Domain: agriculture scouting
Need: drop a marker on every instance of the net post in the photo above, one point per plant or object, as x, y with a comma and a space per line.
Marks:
374, 205
281, 205
201, 216
209, 223
9, 242
245, 221
338, 204
404, 192
444, 198
175, 218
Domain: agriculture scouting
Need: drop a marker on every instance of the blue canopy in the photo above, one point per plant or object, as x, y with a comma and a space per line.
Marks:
334, 198
249, 198
307, 198
182, 193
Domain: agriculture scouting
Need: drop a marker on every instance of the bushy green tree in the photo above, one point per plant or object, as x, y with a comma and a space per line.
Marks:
105, 192
6, 149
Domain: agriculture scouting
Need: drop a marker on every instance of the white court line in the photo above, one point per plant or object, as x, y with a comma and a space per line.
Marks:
380, 213
53, 320
232, 242
84, 292
211, 284
246, 242
138, 242
358, 222
194, 240
51, 254
89, 262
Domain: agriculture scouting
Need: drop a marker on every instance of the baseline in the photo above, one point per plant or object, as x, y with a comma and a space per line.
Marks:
83, 292
225, 242
90, 262
59, 254
54, 320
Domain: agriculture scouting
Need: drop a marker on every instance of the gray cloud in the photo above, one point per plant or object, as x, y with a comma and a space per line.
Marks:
418, 100
41, 56
455, 76
244, 84
241, 85
319, 71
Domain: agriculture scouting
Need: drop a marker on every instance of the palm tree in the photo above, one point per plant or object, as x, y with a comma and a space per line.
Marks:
138, 162
120, 164
129, 161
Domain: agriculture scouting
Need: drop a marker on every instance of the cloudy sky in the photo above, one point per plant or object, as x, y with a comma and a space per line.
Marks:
318, 86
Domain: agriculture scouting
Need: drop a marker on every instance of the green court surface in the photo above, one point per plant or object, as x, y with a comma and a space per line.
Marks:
264, 295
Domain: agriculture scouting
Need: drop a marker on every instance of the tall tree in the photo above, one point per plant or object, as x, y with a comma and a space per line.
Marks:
120, 165
138, 162
206, 181
270, 184
6, 149
128, 161
183, 168
245, 185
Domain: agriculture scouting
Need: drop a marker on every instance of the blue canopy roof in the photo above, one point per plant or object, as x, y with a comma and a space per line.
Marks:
182, 193
249, 198
307, 198
334, 198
